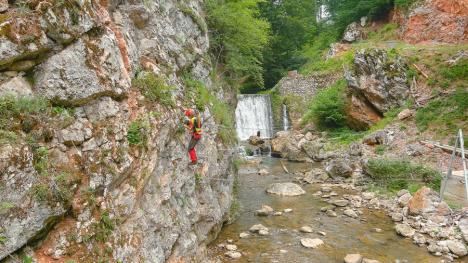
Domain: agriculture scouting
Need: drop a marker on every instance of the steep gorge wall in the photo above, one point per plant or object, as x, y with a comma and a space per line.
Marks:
73, 187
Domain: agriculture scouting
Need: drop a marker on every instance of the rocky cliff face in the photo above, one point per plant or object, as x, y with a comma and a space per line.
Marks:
102, 175
444, 21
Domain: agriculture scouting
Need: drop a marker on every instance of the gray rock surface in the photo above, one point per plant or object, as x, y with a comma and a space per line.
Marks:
353, 258
285, 189
311, 242
404, 230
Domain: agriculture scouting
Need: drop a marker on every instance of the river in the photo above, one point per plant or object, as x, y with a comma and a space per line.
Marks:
344, 235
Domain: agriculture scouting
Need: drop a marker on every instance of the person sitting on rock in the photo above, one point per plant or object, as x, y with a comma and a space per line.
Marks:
193, 123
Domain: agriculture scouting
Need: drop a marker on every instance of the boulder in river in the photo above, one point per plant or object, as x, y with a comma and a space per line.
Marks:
340, 202
285, 189
353, 258
338, 167
404, 230
351, 213
264, 211
257, 228
311, 242
306, 229
233, 254
457, 248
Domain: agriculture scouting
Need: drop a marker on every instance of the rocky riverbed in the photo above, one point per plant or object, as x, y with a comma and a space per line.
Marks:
334, 222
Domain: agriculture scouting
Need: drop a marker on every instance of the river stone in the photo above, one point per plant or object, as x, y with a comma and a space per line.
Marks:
457, 248
264, 211
419, 239
263, 232
306, 229
231, 247
325, 189
285, 189
311, 242
244, 235
353, 258
263, 172
404, 230
331, 213
233, 254
340, 202
288, 210
377, 230
351, 213
368, 195
397, 217
322, 233
404, 199
463, 226
257, 228
278, 213
366, 260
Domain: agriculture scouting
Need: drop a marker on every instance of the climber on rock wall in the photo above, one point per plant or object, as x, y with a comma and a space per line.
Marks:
193, 123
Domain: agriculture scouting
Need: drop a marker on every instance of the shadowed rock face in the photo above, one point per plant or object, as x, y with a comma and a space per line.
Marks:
377, 84
76, 182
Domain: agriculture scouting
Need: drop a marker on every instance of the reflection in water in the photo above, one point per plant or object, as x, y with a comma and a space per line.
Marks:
343, 235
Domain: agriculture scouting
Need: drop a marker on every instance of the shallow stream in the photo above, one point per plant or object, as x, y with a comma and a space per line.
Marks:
344, 235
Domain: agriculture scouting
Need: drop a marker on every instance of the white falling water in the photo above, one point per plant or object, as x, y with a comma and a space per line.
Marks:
253, 113
285, 118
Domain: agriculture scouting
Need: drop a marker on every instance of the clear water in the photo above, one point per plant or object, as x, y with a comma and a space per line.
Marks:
343, 235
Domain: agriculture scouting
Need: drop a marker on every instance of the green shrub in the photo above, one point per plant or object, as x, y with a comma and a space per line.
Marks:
197, 90
456, 72
7, 137
154, 88
395, 174
443, 113
14, 108
380, 149
223, 116
405, 4
138, 132
327, 109
42, 192
41, 160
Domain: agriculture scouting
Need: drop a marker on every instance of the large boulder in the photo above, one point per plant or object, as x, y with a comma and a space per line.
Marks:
427, 201
377, 84
339, 167
353, 33
285, 189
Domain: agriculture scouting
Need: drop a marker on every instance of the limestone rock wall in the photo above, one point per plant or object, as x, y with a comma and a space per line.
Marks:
100, 197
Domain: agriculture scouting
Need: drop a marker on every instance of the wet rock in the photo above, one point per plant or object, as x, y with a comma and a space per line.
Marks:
233, 254
419, 239
278, 213
377, 230
325, 189
244, 235
340, 202
457, 248
264, 211
366, 260
306, 229
339, 167
404, 114
397, 217
326, 208
322, 233
404, 230
283, 251
257, 228
285, 189
331, 213
350, 213
263, 172
353, 258
255, 140
263, 232
434, 248
311, 242
288, 210
231, 247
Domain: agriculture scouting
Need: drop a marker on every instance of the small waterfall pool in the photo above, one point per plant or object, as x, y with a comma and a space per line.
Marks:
254, 114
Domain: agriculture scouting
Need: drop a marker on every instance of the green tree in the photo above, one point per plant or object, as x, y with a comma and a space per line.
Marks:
293, 25
238, 37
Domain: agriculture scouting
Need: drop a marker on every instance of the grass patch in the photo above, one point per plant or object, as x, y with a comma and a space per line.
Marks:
41, 160
154, 88
396, 174
387, 32
327, 109
14, 109
197, 90
444, 114
331, 65
138, 132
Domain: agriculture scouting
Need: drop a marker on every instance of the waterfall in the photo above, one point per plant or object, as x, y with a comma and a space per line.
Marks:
285, 118
253, 113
